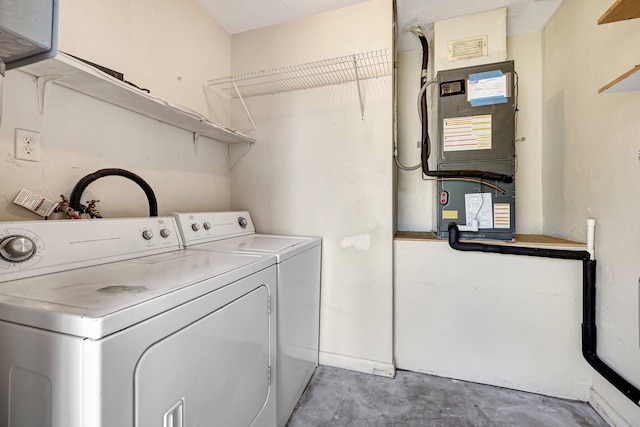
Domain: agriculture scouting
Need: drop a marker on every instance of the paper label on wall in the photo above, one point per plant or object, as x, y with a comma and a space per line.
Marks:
487, 88
35, 203
467, 133
479, 206
502, 215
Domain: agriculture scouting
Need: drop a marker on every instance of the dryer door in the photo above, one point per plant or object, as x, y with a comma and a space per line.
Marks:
214, 372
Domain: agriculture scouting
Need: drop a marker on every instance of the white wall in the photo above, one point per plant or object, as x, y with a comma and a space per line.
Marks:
591, 169
526, 52
318, 169
416, 197
492, 25
171, 47
505, 320
80, 134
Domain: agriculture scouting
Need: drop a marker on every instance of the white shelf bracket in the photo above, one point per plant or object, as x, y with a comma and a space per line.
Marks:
246, 110
43, 84
196, 140
240, 157
355, 68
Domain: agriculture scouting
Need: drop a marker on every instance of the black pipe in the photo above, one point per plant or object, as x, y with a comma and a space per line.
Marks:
589, 333
426, 142
590, 336
454, 236
76, 194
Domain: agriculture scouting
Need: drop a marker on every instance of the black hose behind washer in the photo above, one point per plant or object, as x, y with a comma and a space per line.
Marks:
589, 333
78, 190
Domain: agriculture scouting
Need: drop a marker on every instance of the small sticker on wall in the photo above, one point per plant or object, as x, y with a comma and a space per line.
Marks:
449, 214
502, 215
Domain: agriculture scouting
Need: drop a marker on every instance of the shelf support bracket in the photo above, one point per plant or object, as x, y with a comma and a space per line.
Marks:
355, 67
246, 110
241, 156
43, 84
196, 140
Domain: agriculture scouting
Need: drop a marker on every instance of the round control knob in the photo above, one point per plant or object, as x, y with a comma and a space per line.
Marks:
242, 221
207, 225
147, 234
17, 248
195, 226
165, 233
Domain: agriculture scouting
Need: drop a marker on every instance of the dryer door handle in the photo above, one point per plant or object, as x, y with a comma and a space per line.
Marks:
174, 417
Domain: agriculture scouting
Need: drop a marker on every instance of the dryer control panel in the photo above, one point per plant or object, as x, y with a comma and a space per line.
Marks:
203, 227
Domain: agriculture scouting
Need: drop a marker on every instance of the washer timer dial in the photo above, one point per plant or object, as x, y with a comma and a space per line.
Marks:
17, 248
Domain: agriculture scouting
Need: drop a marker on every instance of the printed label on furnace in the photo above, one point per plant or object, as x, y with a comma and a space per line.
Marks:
467, 133
479, 207
502, 215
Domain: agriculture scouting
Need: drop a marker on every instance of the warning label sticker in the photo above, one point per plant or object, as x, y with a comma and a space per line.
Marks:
449, 214
467, 133
502, 215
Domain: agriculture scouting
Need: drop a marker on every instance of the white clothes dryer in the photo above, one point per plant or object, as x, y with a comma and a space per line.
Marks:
298, 282
111, 323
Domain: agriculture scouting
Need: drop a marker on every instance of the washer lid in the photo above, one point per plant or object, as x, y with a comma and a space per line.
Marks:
282, 247
96, 301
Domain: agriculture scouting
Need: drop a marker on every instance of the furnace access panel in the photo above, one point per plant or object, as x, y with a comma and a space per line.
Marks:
476, 127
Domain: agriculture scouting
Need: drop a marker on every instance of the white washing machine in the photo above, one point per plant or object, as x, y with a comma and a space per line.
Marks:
298, 312
109, 323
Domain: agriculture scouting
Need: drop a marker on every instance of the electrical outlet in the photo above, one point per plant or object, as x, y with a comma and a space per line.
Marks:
27, 145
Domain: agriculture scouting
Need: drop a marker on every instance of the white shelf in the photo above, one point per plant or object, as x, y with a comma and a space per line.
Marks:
76, 75
348, 68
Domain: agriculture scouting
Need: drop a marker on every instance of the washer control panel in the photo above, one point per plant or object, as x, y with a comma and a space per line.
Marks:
31, 248
202, 227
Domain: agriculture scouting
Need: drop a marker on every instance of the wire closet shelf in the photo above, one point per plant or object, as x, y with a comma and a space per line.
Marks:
356, 67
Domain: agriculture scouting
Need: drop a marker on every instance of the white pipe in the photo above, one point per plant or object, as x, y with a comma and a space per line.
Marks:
591, 226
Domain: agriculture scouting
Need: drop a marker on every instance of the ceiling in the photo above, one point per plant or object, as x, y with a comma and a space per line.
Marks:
524, 16
238, 16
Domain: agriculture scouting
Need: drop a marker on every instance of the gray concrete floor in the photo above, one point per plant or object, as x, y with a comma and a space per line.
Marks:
337, 397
